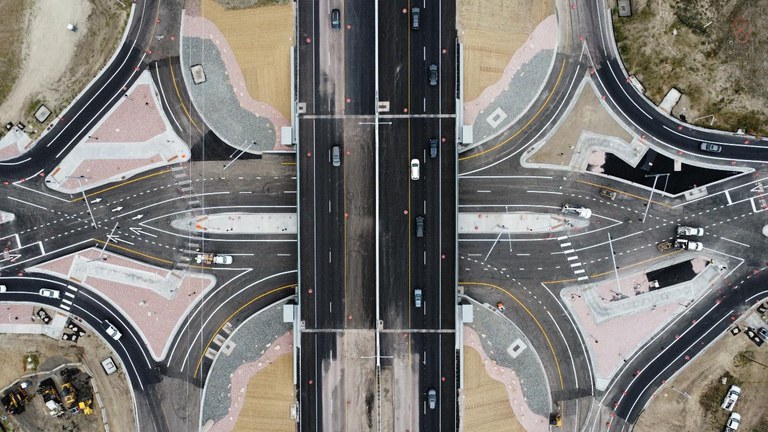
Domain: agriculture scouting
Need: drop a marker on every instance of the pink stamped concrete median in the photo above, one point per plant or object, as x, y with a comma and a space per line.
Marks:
156, 313
133, 137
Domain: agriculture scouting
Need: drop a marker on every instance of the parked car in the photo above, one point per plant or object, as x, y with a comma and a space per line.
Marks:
731, 398
109, 365
733, 422
763, 333
43, 315
711, 148
51, 293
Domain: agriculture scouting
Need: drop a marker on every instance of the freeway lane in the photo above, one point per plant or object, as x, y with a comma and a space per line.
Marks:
336, 71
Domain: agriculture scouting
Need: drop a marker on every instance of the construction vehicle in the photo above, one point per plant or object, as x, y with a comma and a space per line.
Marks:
209, 258
665, 245
68, 395
85, 406
47, 389
555, 420
15, 400
608, 194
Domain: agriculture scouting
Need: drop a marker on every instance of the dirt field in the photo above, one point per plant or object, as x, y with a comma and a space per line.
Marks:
713, 51
261, 39
14, 17
89, 350
55, 64
588, 114
243, 4
486, 404
672, 411
492, 30
267, 402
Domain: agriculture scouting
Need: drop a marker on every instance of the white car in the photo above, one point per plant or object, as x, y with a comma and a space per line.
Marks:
3, 288
689, 245
45, 292
733, 422
731, 398
577, 211
689, 231
415, 171
112, 331
222, 259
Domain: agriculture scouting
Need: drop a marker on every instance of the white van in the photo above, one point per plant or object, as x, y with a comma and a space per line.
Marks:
109, 365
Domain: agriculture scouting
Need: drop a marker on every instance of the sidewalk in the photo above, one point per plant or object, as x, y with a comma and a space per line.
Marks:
517, 223
134, 136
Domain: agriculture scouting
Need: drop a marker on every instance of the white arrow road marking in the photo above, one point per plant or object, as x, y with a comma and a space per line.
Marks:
137, 217
116, 209
117, 239
138, 231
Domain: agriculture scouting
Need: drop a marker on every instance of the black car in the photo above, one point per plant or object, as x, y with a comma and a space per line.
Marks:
44, 316
433, 74
336, 19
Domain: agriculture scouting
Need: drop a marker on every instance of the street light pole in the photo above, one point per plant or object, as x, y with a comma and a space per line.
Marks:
653, 189
87, 204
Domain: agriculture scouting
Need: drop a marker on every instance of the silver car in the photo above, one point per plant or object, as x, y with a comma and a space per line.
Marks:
712, 148
432, 398
433, 74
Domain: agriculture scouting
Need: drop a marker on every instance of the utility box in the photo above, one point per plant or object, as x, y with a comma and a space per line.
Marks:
625, 8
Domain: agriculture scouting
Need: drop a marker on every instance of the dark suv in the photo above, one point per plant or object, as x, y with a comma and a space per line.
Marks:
433, 148
433, 74
336, 19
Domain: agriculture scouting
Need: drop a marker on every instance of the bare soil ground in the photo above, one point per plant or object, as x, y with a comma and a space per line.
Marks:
243, 4
46, 63
89, 350
729, 358
588, 114
267, 402
492, 30
713, 51
14, 17
261, 39
486, 402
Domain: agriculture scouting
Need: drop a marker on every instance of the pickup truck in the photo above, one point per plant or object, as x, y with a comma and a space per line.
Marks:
689, 231
688, 245
731, 398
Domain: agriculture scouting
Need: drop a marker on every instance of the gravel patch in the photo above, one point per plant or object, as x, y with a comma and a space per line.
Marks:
251, 340
499, 334
516, 97
217, 102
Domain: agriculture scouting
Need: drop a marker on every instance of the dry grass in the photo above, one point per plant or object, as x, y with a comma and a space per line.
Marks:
13, 18
492, 30
486, 403
261, 39
672, 411
716, 58
268, 399
588, 114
